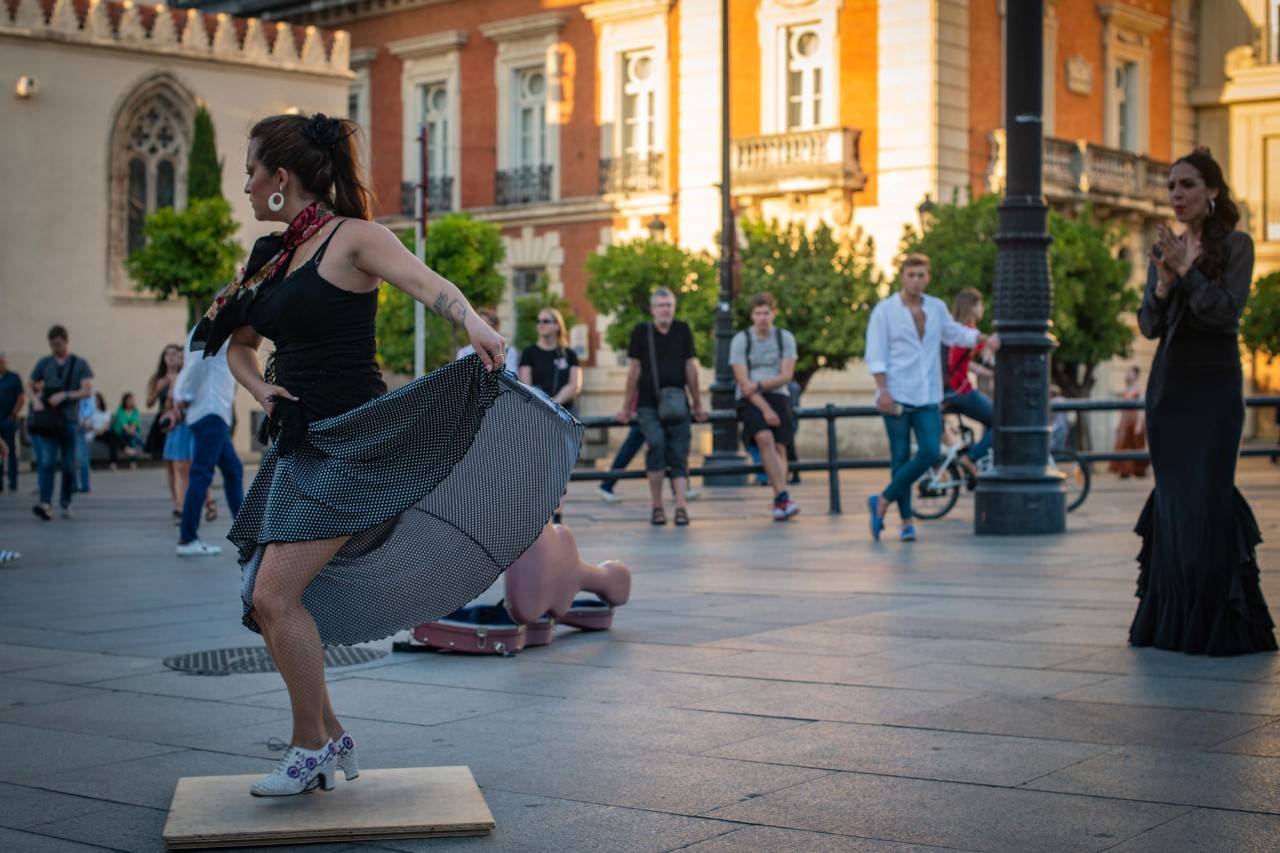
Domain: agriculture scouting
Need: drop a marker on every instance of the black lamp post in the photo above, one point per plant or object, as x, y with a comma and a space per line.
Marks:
1023, 494
724, 434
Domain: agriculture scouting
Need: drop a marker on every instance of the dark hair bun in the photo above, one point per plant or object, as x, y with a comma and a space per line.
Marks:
323, 131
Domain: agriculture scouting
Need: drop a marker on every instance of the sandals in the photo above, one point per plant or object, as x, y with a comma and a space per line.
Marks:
658, 518
211, 510
682, 517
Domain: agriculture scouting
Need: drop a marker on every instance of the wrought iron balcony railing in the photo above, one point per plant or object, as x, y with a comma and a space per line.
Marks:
633, 173
439, 195
1079, 170
523, 185
798, 160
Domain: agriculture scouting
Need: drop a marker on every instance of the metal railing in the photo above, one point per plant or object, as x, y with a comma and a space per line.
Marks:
796, 159
439, 195
1076, 168
522, 185
833, 464
632, 173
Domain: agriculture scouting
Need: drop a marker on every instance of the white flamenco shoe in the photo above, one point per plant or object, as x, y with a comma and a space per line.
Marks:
300, 770
346, 761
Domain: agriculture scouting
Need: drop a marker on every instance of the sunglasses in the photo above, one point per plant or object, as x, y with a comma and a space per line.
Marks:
546, 322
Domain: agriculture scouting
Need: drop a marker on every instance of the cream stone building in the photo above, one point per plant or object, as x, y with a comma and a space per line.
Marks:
97, 112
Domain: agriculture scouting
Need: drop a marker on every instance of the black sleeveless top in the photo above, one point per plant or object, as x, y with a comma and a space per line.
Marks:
324, 338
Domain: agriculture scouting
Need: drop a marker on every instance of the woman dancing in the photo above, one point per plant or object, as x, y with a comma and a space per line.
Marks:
371, 512
1198, 580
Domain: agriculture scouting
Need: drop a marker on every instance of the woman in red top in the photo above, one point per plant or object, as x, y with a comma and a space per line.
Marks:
960, 395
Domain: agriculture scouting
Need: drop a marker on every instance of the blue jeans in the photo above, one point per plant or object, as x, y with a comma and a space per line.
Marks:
82, 460
212, 448
630, 447
974, 405
9, 435
56, 452
926, 423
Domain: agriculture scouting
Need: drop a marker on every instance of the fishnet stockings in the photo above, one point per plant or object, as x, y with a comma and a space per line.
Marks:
290, 632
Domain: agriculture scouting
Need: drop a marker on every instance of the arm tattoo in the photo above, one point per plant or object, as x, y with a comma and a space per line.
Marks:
453, 310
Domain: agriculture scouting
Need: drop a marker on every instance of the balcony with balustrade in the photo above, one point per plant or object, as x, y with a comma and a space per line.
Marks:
439, 195
523, 185
1079, 171
633, 174
798, 161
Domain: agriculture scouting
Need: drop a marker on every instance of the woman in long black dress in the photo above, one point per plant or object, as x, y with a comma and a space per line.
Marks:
1198, 583
371, 512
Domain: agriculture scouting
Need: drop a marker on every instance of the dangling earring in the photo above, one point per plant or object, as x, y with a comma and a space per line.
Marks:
276, 202
1212, 208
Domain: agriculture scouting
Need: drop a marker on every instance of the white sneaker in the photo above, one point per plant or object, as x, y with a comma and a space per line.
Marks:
608, 496
692, 494
298, 772
196, 548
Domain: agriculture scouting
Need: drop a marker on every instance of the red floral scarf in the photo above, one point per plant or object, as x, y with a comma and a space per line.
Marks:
230, 306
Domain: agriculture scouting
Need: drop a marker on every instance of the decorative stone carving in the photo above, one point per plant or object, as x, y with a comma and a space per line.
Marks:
29, 15
194, 36
255, 42
313, 49
1079, 75
1239, 58
64, 18
225, 43
340, 52
163, 31
97, 21
285, 49
131, 29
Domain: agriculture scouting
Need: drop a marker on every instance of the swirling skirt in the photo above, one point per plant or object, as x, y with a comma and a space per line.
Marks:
440, 484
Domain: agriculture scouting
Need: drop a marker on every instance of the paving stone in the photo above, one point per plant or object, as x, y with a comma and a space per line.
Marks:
1241, 782
1086, 722
1127, 660
1199, 693
18, 693
758, 838
14, 658
1209, 831
1264, 740
168, 682
809, 641
982, 652
31, 842
1002, 681
836, 703
93, 669
1078, 635
27, 807
30, 751
532, 824
953, 815
950, 756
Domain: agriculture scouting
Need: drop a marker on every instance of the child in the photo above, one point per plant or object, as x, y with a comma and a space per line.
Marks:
126, 430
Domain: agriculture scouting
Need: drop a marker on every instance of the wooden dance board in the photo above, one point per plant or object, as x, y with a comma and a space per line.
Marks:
415, 802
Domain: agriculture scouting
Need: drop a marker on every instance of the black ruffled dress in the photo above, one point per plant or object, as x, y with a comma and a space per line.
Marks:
1198, 581
441, 484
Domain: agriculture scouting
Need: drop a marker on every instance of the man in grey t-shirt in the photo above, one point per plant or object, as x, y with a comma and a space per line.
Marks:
763, 359
59, 382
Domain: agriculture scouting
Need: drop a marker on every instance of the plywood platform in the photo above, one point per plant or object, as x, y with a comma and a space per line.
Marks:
416, 802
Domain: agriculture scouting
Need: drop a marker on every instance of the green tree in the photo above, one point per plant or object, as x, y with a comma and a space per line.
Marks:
620, 280
1260, 326
1091, 296
528, 306
825, 289
467, 253
188, 253
204, 169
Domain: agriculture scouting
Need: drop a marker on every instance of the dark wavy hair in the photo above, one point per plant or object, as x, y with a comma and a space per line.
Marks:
322, 152
1222, 221
162, 368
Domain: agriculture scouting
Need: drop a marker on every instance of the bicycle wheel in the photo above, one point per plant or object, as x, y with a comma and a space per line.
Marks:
936, 492
1078, 477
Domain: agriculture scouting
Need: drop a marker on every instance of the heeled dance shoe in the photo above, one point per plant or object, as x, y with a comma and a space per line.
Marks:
346, 761
300, 770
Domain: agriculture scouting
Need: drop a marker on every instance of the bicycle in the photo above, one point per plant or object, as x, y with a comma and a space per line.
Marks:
938, 488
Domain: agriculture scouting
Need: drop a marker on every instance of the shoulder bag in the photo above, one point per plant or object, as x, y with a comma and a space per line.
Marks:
673, 405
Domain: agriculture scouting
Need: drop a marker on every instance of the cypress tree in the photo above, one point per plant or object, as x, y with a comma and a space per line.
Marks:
204, 171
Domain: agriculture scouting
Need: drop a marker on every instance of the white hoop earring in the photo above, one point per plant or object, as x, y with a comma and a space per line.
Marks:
276, 202
1212, 207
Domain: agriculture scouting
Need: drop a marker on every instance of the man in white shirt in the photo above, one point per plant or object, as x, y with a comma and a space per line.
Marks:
205, 393
904, 339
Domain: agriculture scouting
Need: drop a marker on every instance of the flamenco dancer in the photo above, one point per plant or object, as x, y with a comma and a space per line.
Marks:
371, 512
1198, 581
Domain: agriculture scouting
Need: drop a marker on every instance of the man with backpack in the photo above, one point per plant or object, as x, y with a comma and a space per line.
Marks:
763, 358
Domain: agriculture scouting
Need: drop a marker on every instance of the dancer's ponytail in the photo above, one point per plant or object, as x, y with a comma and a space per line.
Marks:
322, 152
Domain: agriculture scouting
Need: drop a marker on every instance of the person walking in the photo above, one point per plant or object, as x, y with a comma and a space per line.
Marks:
204, 397
12, 399
763, 358
959, 394
662, 364
903, 339
371, 512
59, 382
1131, 432
1198, 580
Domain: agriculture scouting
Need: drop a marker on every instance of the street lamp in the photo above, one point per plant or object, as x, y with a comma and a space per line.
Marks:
1023, 493
656, 227
724, 434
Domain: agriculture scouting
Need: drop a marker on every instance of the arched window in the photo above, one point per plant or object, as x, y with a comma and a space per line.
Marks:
150, 143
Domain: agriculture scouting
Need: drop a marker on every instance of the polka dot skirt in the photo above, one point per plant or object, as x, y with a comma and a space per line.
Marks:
441, 484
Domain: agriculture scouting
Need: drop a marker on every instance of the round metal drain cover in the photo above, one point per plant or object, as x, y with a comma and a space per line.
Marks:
258, 659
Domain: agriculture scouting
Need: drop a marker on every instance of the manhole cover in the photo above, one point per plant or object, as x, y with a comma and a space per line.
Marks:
258, 659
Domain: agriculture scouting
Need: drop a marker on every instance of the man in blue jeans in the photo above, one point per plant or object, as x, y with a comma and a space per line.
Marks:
904, 338
12, 399
59, 382
205, 392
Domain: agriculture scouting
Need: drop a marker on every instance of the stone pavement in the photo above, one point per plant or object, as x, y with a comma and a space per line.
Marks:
769, 688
